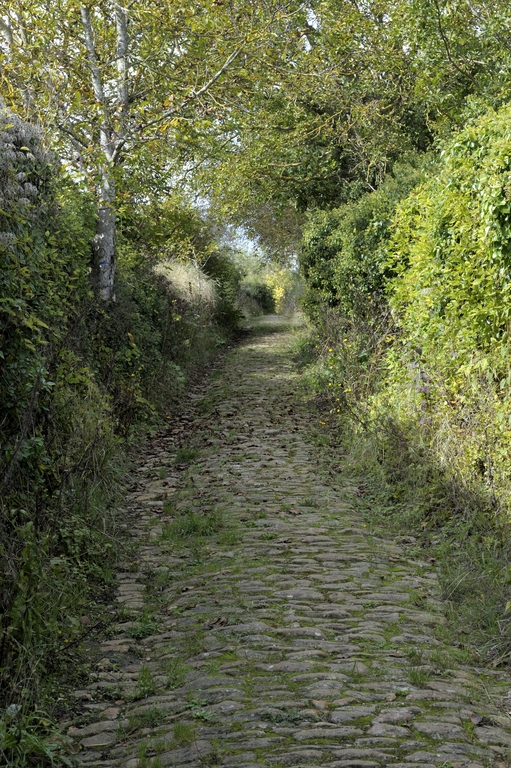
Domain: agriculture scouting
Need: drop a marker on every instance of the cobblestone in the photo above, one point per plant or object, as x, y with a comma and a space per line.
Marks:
289, 636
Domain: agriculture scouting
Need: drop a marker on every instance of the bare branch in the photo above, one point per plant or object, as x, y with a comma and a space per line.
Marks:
69, 132
92, 56
7, 31
196, 94
121, 23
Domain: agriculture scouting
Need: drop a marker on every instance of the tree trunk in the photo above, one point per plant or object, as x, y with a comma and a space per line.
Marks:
103, 243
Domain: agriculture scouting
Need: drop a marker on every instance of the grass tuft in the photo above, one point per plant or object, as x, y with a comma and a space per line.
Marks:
184, 734
185, 455
192, 524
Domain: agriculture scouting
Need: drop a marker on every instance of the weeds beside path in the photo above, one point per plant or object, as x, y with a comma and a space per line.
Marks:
260, 623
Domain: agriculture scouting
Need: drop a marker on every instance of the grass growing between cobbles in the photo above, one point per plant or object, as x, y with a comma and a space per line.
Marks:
269, 630
175, 669
150, 718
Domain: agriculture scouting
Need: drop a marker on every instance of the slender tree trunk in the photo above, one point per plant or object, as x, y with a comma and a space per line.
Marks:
103, 243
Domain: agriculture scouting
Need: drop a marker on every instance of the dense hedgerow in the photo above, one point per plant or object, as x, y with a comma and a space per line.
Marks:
343, 257
345, 266
56, 430
451, 249
413, 304
438, 267
76, 378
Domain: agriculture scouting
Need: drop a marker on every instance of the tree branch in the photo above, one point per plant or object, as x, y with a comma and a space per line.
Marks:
446, 43
92, 56
118, 149
6, 29
72, 135
196, 94
107, 139
121, 24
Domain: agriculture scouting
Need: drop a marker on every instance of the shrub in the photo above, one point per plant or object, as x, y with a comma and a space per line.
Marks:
343, 256
255, 296
451, 298
425, 397
75, 376
56, 431
345, 265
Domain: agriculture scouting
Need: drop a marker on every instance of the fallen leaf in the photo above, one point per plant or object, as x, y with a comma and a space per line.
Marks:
319, 704
220, 622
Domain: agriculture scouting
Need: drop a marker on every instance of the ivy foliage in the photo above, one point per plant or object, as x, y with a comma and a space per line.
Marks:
411, 286
452, 251
420, 379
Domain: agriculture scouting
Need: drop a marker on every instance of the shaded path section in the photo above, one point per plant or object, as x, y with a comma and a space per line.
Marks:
263, 624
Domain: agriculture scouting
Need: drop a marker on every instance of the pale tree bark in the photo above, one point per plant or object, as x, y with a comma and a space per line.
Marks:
121, 24
113, 140
103, 243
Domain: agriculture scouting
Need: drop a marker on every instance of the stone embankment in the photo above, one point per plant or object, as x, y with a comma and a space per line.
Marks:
262, 624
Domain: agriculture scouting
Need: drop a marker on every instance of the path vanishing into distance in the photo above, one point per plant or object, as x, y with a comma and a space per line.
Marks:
260, 623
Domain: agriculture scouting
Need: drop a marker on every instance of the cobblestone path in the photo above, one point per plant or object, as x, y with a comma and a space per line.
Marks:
265, 626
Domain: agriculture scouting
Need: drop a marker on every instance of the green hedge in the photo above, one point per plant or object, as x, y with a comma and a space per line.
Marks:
343, 255
78, 378
451, 249
56, 430
421, 380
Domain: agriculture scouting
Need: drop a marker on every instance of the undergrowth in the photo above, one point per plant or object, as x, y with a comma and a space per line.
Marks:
408, 288
402, 489
80, 380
